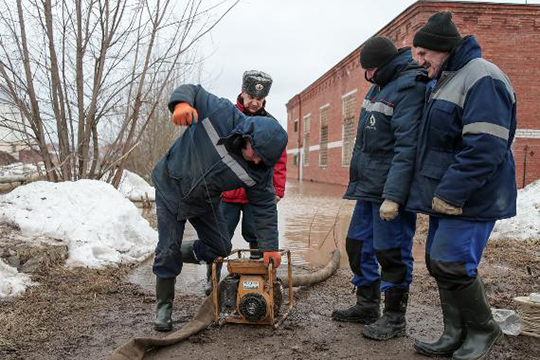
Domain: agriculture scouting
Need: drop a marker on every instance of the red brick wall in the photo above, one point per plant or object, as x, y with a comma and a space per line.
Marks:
510, 38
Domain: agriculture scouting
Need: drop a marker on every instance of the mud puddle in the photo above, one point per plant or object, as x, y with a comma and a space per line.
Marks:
313, 219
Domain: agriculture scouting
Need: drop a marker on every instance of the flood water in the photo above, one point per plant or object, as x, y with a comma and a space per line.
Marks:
313, 220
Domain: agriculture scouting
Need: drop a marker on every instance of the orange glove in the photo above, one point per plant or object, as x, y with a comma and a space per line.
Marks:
184, 114
275, 256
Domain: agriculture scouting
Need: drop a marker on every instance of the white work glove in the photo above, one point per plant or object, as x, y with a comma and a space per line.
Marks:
389, 210
443, 207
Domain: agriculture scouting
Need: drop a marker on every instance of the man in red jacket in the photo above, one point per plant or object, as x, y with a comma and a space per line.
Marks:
251, 101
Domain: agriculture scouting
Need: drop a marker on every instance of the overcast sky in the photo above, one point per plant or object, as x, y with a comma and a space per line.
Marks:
295, 41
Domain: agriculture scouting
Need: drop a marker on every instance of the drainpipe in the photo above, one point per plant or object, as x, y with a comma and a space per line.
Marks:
300, 140
527, 153
524, 165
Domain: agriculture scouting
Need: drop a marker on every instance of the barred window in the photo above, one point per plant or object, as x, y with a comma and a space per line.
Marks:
307, 127
349, 104
324, 120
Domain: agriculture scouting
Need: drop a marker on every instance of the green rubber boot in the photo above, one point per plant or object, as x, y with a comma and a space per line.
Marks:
482, 330
164, 297
188, 256
454, 331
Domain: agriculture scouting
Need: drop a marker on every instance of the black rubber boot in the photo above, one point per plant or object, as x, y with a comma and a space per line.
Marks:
164, 298
482, 331
255, 255
209, 285
366, 310
392, 323
454, 332
188, 256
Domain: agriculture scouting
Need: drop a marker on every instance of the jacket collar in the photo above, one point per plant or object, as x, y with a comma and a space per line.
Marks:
468, 49
240, 106
391, 69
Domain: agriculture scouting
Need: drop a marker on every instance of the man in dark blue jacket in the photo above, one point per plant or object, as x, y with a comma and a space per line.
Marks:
223, 151
381, 231
464, 179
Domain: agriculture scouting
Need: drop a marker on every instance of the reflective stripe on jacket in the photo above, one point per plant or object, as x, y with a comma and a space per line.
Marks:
280, 169
464, 153
383, 156
206, 160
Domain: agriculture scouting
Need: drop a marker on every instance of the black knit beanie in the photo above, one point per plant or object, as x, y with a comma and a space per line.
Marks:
376, 52
439, 33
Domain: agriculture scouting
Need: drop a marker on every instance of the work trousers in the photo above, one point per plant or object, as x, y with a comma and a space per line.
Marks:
231, 212
212, 232
454, 249
372, 241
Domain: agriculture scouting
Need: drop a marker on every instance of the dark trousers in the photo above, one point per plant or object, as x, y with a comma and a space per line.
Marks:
454, 249
213, 239
231, 211
388, 243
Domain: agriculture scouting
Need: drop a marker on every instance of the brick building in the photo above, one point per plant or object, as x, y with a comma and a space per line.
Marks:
323, 118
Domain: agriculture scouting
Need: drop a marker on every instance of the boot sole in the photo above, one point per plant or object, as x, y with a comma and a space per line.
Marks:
162, 328
428, 353
485, 355
365, 321
399, 333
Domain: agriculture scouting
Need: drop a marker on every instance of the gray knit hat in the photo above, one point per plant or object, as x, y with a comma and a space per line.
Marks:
376, 52
256, 83
439, 33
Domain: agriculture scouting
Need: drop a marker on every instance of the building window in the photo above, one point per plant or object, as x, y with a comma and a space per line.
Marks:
348, 111
307, 128
296, 125
295, 160
324, 120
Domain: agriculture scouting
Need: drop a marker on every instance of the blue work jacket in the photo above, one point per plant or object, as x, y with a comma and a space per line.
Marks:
464, 151
383, 156
207, 160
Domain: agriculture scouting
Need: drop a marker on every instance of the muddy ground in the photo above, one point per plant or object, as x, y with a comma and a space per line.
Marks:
86, 314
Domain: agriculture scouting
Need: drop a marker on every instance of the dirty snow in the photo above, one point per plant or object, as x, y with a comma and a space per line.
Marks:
526, 224
100, 225
12, 283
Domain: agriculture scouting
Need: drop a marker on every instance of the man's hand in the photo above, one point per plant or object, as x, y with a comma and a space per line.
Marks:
275, 256
184, 114
388, 210
277, 199
443, 207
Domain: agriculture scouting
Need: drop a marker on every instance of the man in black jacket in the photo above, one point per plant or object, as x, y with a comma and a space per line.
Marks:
381, 231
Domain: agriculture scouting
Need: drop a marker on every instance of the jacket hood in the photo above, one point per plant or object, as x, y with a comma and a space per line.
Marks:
267, 137
391, 70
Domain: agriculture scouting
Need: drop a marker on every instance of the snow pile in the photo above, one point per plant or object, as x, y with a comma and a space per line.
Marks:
135, 187
12, 283
99, 224
526, 224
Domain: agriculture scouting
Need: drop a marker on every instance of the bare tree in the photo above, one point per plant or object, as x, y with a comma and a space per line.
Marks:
82, 71
158, 135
